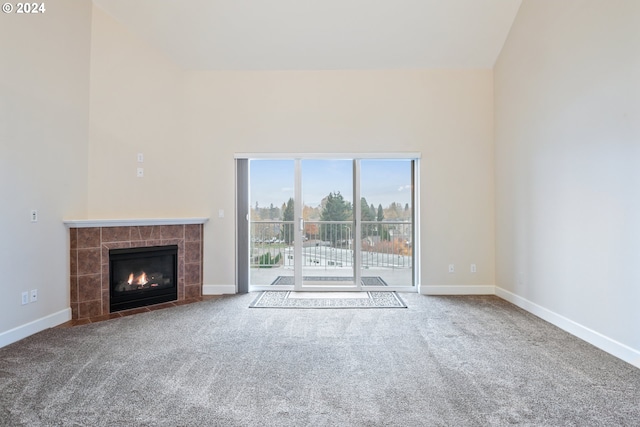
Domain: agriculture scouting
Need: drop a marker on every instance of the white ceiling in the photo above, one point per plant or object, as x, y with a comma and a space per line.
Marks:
320, 34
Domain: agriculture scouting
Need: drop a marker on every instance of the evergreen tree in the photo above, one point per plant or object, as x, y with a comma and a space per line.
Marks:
392, 212
380, 213
366, 213
288, 215
288, 212
335, 209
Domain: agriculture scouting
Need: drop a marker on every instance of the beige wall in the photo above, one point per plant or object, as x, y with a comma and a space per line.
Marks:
567, 100
445, 115
44, 112
136, 107
189, 125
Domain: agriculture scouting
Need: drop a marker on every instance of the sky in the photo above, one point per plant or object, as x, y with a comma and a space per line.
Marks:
381, 181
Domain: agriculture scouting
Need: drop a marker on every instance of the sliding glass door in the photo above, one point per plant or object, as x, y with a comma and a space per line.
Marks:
327, 224
331, 224
386, 221
272, 230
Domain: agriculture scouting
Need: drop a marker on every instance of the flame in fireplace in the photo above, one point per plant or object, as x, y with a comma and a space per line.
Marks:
141, 279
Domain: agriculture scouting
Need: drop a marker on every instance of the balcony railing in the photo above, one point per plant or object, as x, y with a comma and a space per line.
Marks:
330, 244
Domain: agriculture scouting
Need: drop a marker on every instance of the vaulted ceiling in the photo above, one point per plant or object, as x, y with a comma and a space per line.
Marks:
320, 34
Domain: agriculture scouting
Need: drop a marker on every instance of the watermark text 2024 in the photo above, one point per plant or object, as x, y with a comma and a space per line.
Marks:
24, 8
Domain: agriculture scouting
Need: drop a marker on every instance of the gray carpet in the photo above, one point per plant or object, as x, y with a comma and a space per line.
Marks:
443, 361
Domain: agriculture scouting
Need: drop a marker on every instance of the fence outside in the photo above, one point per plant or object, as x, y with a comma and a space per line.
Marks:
329, 244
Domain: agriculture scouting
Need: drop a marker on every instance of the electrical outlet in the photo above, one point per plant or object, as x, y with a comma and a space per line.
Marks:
140, 157
452, 268
34, 295
25, 298
34, 215
140, 173
473, 268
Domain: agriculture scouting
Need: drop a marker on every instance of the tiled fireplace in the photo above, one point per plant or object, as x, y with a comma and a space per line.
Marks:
90, 245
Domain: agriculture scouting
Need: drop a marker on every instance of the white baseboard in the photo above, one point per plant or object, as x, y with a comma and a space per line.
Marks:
23, 331
218, 289
458, 290
603, 342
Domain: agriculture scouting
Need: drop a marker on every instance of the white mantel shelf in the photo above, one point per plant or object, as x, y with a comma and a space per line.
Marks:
88, 223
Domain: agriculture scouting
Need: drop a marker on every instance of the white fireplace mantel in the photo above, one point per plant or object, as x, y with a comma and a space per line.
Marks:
88, 223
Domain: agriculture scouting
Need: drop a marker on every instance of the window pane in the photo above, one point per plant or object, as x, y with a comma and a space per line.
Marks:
386, 202
327, 195
272, 220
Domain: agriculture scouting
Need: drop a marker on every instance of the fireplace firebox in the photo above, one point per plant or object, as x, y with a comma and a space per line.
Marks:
142, 276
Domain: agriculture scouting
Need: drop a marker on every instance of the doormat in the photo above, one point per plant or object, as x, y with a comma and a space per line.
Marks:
289, 299
366, 281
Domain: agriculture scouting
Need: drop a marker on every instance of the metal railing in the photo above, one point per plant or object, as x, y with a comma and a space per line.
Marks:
330, 244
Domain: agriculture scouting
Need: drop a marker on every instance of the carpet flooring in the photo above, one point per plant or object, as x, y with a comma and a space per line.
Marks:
443, 361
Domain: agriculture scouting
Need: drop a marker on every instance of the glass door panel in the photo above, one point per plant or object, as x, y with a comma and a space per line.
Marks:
327, 225
272, 223
386, 213
306, 232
